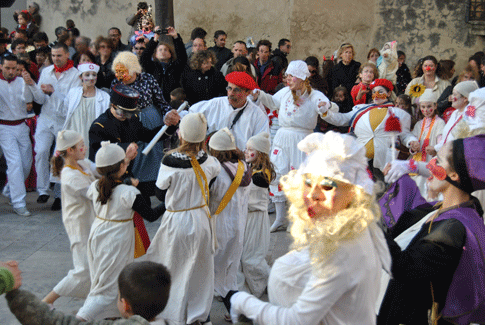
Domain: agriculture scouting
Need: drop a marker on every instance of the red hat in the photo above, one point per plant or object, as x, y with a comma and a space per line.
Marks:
242, 79
382, 82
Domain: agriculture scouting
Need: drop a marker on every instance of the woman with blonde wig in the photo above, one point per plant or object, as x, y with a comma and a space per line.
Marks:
332, 274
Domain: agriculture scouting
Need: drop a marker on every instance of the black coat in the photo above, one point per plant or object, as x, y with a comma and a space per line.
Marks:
343, 75
222, 54
105, 74
168, 76
200, 86
108, 128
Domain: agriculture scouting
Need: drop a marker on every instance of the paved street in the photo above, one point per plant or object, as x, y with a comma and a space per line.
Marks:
40, 245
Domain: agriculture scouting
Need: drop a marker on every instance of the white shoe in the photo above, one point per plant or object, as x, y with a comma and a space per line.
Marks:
276, 226
22, 211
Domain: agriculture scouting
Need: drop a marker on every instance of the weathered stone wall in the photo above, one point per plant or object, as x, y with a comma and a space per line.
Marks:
318, 28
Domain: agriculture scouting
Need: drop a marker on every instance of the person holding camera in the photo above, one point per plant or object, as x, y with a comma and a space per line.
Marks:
134, 20
164, 61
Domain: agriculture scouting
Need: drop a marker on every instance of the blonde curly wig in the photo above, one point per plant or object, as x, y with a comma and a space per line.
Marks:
129, 60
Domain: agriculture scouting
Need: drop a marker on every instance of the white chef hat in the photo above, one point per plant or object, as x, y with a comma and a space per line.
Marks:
193, 128
337, 156
85, 67
222, 140
474, 115
428, 96
464, 88
260, 142
67, 139
299, 69
109, 154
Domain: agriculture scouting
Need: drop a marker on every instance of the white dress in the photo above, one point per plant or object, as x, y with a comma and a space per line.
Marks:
230, 224
344, 294
434, 138
296, 121
183, 243
77, 216
111, 246
254, 270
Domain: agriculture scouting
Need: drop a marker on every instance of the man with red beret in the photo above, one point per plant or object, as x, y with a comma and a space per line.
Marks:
235, 111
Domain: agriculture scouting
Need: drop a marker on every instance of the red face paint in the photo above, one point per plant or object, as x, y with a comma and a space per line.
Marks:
311, 212
437, 171
253, 155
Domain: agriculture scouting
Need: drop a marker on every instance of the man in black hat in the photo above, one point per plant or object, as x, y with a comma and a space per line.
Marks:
120, 123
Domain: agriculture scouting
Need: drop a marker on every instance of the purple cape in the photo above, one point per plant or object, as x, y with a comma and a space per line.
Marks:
402, 196
465, 301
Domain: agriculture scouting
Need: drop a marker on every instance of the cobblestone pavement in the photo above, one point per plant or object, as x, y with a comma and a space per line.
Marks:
40, 244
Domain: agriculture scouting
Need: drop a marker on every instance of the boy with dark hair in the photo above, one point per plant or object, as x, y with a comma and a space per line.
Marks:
143, 294
178, 94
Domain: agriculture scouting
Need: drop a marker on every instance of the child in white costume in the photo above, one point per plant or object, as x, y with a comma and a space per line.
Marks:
332, 275
255, 269
428, 131
184, 240
229, 205
77, 174
298, 108
111, 243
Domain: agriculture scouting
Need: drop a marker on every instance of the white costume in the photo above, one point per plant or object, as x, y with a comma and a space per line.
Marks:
77, 216
382, 139
230, 226
295, 123
434, 138
111, 247
345, 294
14, 137
82, 111
183, 243
255, 269
51, 118
447, 133
219, 114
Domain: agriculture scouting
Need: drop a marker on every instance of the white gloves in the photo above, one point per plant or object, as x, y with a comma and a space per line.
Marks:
399, 168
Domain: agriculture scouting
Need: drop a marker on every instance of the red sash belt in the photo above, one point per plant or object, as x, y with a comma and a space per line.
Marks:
16, 122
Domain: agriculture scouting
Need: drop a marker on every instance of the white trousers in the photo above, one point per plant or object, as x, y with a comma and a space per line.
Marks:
45, 135
17, 148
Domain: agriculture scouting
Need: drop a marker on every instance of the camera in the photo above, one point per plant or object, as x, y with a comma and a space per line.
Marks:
162, 31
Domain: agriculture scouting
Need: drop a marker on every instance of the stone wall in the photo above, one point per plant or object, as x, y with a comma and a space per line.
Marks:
318, 28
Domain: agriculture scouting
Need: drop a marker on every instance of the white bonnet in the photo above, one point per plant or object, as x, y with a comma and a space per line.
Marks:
337, 156
109, 154
299, 69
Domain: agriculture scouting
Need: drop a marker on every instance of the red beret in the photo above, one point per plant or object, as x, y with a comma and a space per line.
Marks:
242, 79
382, 82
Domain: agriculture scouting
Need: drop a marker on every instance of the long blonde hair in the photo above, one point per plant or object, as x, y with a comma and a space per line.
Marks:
323, 236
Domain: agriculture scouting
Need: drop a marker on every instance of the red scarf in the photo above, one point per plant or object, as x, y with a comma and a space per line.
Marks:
69, 65
3, 78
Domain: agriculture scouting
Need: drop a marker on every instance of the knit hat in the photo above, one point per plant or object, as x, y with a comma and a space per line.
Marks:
428, 96
299, 69
85, 67
260, 142
109, 154
242, 79
67, 139
223, 140
124, 97
464, 88
337, 156
193, 128
382, 82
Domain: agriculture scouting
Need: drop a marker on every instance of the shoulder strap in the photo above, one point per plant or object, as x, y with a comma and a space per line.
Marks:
199, 174
232, 189
238, 116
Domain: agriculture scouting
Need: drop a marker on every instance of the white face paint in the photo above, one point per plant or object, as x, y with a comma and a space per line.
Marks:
89, 76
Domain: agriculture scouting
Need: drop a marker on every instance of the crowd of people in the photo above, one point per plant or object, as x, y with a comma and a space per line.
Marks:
376, 170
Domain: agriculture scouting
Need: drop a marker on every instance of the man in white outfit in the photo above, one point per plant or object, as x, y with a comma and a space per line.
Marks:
235, 111
14, 133
54, 83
